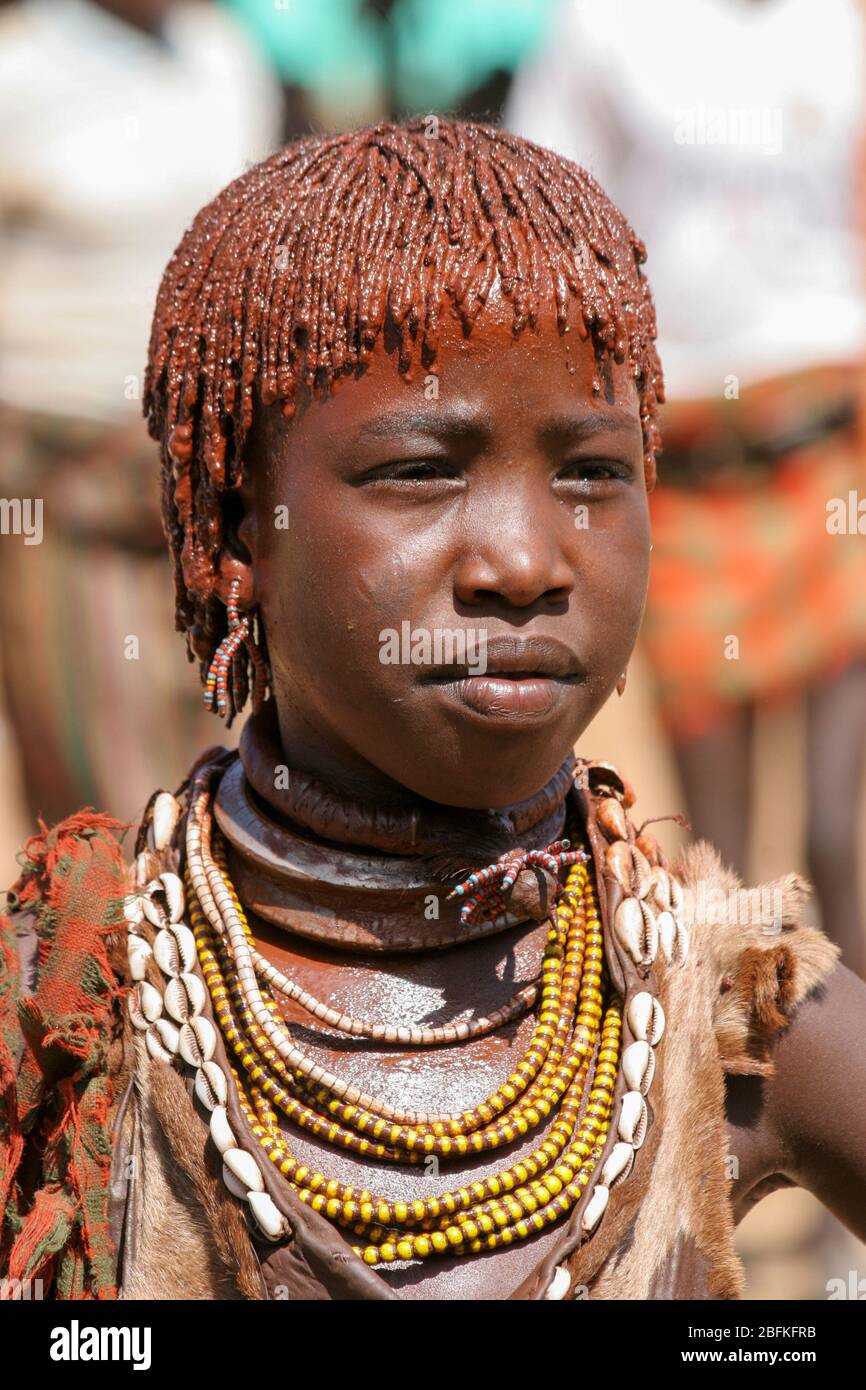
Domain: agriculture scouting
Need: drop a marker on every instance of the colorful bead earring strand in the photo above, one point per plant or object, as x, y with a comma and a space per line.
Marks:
240, 633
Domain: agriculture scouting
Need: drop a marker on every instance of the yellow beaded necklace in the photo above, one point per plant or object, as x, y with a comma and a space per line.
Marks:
573, 1057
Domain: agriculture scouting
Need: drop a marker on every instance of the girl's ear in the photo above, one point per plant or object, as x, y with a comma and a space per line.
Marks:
231, 567
235, 561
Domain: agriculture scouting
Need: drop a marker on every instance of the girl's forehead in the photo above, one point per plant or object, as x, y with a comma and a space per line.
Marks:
545, 360
488, 384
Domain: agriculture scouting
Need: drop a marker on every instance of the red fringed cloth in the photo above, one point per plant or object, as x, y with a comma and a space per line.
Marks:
55, 1088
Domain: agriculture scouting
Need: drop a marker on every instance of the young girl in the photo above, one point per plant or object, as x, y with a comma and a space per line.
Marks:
410, 1003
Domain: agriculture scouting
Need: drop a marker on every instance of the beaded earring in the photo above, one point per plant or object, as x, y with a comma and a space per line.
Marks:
227, 678
620, 685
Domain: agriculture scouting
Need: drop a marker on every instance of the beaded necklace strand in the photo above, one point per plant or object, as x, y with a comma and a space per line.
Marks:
573, 1052
567, 1077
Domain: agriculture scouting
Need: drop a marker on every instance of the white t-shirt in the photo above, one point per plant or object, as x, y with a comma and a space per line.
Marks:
727, 131
110, 142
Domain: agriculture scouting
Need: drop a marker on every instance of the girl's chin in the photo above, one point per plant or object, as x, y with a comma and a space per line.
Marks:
475, 773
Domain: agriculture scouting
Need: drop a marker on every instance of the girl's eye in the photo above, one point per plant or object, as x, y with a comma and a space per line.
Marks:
411, 471
596, 470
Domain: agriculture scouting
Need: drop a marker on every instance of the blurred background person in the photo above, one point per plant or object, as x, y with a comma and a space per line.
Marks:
347, 62
119, 119
730, 133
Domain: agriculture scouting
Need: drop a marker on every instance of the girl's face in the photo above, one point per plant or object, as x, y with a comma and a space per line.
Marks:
401, 536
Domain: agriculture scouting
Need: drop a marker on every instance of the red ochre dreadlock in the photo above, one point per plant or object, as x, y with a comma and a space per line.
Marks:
289, 277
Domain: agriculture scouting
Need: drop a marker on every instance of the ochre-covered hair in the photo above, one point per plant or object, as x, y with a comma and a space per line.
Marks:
289, 277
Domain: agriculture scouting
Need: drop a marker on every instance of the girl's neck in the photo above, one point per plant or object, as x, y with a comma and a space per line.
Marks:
308, 861
403, 824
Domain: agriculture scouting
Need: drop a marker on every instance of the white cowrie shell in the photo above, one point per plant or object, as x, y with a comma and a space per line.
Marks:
595, 1207
138, 953
642, 870
137, 965
132, 908
618, 1162
650, 933
210, 1085
167, 953
149, 1001
639, 1013
662, 889
633, 1119
153, 912
268, 1215
638, 1065
143, 865
166, 813
155, 1047
197, 1042
619, 864
134, 1007
236, 1188
221, 1130
629, 925
646, 1017
559, 1284
168, 1034
185, 944
173, 889
174, 948
245, 1169
184, 997
667, 934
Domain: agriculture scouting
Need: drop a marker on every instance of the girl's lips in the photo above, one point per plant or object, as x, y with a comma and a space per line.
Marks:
509, 696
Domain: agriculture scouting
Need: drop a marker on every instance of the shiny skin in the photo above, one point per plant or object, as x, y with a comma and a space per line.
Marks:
453, 513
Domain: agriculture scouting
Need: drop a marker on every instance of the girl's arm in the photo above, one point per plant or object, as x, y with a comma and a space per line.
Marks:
806, 1125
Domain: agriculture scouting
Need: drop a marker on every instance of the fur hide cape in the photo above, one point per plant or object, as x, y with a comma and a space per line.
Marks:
668, 1231
738, 990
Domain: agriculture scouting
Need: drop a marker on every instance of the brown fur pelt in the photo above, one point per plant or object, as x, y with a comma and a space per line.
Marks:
762, 969
735, 994
191, 1239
